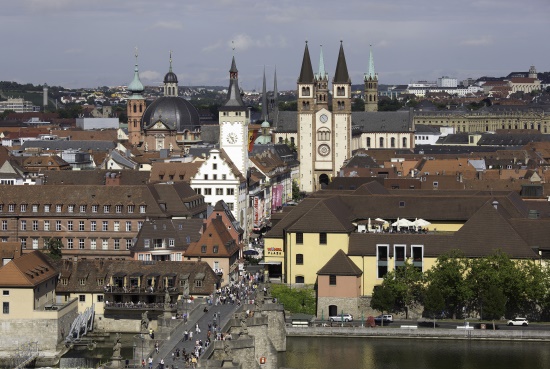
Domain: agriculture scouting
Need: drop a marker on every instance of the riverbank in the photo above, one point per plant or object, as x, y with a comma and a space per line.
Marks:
423, 333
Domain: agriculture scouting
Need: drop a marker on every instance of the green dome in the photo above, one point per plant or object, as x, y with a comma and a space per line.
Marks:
265, 124
136, 87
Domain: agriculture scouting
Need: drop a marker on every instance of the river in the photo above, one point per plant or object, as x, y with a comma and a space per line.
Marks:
382, 353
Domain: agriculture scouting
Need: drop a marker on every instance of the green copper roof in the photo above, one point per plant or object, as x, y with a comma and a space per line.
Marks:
136, 87
322, 73
371, 74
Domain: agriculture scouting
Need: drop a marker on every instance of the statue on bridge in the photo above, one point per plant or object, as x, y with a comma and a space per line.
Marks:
117, 347
167, 300
244, 327
144, 321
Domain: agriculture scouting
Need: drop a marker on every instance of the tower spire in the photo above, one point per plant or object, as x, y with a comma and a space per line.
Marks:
322, 73
264, 101
371, 73
234, 98
170, 61
341, 75
136, 87
306, 73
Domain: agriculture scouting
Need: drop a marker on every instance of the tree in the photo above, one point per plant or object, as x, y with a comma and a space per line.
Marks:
54, 247
5, 113
493, 303
295, 191
433, 301
383, 298
448, 275
358, 105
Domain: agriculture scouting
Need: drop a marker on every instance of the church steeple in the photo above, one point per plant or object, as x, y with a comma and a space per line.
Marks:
341, 85
264, 116
135, 107
170, 81
306, 73
321, 83
306, 84
234, 99
371, 86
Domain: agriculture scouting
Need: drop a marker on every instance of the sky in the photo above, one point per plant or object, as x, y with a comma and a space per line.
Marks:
90, 43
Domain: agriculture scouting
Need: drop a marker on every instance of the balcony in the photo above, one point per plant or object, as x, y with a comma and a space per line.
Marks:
151, 306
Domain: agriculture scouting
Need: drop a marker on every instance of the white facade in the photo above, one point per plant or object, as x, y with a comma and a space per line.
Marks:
97, 123
18, 105
234, 137
447, 82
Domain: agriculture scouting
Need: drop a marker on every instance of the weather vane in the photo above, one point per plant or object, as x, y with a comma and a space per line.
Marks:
233, 45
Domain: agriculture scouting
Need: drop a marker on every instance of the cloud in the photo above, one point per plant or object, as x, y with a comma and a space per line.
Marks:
481, 41
212, 47
168, 25
244, 42
150, 75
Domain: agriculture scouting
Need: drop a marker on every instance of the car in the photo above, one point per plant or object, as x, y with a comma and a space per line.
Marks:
385, 318
339, 318
518, 321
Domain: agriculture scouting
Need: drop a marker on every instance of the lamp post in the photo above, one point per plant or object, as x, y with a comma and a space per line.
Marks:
142, 339
134, 353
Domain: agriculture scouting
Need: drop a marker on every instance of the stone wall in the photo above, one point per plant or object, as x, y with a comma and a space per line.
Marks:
346, 305
121, 325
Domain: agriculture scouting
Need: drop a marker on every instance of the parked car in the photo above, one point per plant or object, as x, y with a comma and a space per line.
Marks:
386, 318
339, 318
518, 321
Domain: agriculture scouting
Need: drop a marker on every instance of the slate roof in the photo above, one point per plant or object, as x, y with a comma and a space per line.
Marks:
394, 121
330, 215
183, 231
286, 122
361, 161
514, 139
162, 172
84, 145
93, 177
28, 270
341, 74
340, 264
306, 72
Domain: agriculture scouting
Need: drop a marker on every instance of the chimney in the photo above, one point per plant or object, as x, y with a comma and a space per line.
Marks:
495, 204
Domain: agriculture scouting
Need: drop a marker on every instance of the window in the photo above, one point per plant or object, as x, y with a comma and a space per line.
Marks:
23, 208
203, 249
206, 177
299, 279
142, 209
198, 191
230, 191
70, 208
35, 243
11, 208
23, 242
69, 225
131, 209
436, 184
93, 226
35, 225
368, 141
70, 243
95, 208
323, 238
106, 209
401, 204
118, 209
81, 243
81, 225
82, 208
105, 226
417, 255
219, 191
381, 142
6, 307
116, 225
146, 242
214, 166
208, 191
47, 208
4, 225
299, 259
23, 225
231, 206
82, 298
100, 297
215, 177
128, 244
299, 238
93, 244
35, 208
58, 208
105, 244
116, 244
5, 293
140, 224
171, 242
198, 283
382, 260
332, 280
224, 177
128, 226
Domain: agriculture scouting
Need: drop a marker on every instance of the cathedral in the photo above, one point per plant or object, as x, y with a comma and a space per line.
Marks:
170, 122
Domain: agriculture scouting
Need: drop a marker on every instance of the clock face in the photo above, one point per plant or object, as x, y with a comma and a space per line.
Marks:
232, 138
323, 118
324, 150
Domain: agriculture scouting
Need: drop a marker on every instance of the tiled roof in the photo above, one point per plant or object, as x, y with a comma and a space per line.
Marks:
182, 231
329, 215
340, 264
74, 145
395, 121
28, 270
94, 177
162, 172
215, 235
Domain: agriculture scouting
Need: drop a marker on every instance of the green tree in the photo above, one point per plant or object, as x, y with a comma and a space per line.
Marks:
296, 300
493, 303
448, 275
5, 113
387, 104
295, 191
53, 248
383, 298
358, 104
434, 302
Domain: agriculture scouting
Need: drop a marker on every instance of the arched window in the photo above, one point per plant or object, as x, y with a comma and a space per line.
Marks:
368, 141
323, 135
392, 141
135, 108
381, 142
140, 108
340, 91
404, 141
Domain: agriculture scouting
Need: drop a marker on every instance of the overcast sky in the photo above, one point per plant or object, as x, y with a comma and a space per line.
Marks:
89, 43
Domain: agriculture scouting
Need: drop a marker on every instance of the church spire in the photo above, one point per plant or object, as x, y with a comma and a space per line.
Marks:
170, 81
170, 70
234, 99
136, 87
306, 73
322, 73
341, 75
264, 101
371, 73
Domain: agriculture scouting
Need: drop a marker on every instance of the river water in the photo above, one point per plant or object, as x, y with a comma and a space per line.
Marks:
381, 353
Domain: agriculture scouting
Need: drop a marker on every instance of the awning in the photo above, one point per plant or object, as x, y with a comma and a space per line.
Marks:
270, 263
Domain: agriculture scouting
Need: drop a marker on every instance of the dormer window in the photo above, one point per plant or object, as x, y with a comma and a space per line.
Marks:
106, 209
203, 249
23, 208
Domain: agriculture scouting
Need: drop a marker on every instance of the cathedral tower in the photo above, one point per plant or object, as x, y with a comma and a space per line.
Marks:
135, 107
371, 87
234, 120
321, 83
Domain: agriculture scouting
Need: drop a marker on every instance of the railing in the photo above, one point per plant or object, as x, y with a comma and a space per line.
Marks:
142, 289
138, 305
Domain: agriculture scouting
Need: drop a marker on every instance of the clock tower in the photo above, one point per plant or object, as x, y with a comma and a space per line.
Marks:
234, 119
